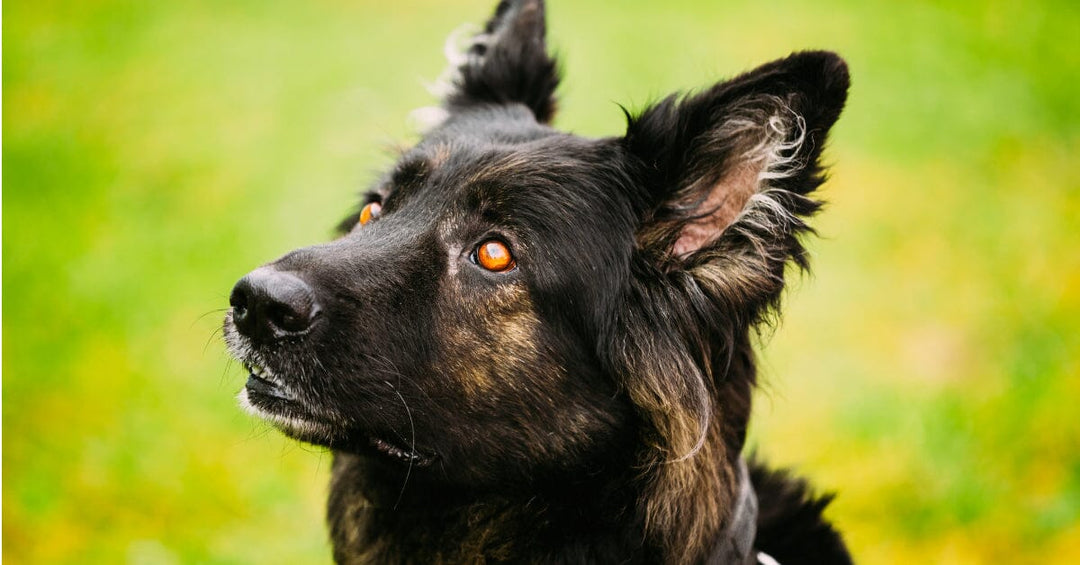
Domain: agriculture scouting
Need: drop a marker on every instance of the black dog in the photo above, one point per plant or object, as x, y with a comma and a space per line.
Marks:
531, 347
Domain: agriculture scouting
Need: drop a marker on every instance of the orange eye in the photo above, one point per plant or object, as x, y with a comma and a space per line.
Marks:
370, 211
495, 256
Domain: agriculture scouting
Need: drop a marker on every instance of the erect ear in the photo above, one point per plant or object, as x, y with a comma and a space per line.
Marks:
730, 172
507, 63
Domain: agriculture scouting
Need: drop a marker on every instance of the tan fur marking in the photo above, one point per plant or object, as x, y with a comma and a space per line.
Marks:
489, 336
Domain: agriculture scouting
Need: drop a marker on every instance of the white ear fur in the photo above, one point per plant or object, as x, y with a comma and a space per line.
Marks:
456, 50
745, 184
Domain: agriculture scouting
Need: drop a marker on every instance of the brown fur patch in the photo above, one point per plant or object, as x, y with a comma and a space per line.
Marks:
490, 335
690, 479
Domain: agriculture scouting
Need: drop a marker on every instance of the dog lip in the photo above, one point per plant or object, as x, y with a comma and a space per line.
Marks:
264, 387
408, 455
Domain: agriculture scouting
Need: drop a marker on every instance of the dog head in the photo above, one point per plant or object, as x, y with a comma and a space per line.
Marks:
513, 304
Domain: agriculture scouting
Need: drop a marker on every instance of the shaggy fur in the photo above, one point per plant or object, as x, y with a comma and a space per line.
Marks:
589, 404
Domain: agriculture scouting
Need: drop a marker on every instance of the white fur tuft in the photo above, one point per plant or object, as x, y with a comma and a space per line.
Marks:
458, 51
778, 154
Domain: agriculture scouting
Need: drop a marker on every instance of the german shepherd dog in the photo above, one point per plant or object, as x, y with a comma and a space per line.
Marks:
532, 347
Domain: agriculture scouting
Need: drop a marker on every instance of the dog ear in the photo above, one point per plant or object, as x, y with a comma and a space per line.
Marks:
507, 63
730, 172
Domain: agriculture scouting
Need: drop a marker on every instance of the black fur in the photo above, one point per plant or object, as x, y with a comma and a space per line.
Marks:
589, 404
790, 526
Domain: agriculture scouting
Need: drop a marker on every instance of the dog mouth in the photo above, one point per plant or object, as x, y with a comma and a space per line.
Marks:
266, 395
407, 455
263, 384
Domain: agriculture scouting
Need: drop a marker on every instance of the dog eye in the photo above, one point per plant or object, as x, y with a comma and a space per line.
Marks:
495, 256
369, 212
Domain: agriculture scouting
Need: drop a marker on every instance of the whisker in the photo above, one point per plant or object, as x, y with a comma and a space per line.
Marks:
229, 364
387, 363
205, 314
412, 442
216, 332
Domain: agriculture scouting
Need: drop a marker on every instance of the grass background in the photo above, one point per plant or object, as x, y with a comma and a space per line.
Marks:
153, 152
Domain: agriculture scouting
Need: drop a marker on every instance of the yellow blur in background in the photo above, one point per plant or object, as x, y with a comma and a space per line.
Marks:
154, 152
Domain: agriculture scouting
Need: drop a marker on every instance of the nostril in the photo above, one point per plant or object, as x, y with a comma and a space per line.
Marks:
238, 299
289, 317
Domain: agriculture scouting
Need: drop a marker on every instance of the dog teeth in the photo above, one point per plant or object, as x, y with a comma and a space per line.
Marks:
264, 374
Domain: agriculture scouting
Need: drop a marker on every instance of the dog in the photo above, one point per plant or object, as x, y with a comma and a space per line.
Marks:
527, 346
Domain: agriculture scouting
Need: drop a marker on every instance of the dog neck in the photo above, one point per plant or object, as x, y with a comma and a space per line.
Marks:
505, 529
582, 523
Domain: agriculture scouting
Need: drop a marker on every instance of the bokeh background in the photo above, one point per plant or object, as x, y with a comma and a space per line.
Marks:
153, 152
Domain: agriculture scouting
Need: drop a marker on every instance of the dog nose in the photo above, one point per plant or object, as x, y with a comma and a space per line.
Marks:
269, 304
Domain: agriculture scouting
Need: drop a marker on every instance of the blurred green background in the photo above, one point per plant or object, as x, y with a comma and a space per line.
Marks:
153, 152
